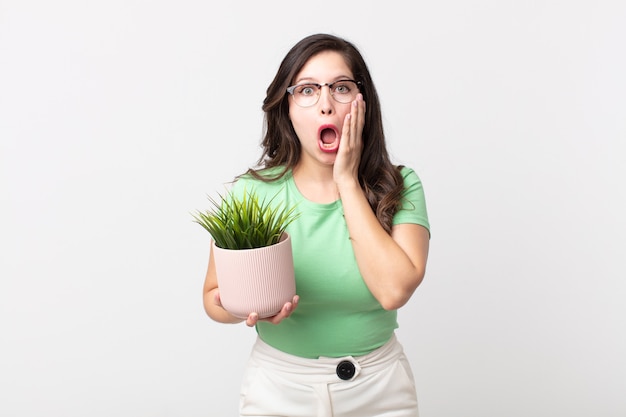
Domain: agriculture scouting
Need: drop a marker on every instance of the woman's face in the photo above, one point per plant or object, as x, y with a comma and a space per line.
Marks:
319, 126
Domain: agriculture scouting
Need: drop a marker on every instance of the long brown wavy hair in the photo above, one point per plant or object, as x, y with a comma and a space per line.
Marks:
380, 179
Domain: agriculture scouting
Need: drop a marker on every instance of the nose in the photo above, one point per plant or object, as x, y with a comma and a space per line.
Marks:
326, 101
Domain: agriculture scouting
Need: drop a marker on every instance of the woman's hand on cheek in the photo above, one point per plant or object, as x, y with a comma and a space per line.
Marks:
346, 166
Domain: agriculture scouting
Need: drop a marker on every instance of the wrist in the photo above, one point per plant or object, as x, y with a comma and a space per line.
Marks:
347, 186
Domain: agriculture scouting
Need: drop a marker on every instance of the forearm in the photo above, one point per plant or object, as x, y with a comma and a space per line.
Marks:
215, 311
387, 270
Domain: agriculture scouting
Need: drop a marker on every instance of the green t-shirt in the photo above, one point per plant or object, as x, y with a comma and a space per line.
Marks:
337, 315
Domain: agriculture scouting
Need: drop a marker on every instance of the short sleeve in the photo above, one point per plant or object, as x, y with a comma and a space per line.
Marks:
413, 204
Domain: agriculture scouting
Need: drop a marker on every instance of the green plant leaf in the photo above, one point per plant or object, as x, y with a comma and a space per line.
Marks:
245, 222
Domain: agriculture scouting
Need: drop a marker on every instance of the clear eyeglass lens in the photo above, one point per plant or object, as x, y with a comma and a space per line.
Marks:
342, 91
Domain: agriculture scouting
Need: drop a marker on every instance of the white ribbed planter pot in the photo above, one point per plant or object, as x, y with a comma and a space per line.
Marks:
257, 280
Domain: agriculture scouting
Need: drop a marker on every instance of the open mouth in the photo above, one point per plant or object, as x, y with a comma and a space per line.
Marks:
328, 138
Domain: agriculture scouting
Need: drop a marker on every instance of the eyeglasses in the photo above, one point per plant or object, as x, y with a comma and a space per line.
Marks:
307, 94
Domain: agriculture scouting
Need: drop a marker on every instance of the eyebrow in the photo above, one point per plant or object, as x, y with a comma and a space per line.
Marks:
311, 80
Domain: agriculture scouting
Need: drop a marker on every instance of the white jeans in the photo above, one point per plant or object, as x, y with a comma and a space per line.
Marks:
277, 384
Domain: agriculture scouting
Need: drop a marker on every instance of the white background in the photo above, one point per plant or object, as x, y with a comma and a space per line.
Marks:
117, 118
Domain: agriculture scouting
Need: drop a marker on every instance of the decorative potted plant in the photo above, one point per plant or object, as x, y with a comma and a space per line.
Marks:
252, 252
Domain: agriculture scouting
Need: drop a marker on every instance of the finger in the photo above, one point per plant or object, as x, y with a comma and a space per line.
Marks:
354, 119
283, 314
345, 131
285, 311
362, 109
252, 319
359, 118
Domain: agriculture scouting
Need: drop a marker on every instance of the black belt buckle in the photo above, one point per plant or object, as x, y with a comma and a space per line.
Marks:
345, 370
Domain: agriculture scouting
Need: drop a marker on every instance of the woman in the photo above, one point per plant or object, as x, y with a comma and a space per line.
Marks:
360, 245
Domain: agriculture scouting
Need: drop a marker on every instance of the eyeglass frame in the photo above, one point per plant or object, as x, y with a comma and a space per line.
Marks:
291, 90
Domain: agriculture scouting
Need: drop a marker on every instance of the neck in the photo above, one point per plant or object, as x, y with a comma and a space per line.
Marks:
316, 185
